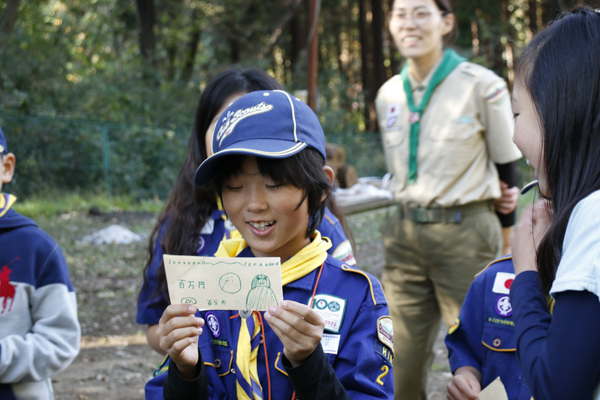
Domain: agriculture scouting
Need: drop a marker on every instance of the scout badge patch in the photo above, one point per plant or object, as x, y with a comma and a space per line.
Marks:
385, 332
393, 111
454, 326
331, 309
503, 307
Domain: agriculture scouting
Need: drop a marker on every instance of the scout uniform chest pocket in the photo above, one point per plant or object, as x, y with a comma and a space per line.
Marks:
222, 361
500, 339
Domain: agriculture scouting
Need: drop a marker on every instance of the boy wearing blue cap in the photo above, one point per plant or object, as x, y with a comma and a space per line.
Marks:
39, 330
331, 337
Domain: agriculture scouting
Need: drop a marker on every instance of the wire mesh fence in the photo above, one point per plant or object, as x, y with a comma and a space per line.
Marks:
140, 160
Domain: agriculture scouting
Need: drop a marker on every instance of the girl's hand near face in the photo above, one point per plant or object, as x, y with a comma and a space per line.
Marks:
528, 234
178, 331
299, 327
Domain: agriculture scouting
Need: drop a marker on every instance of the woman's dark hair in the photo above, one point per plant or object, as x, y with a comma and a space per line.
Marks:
189, 207
303, 170
446, 9
560, 70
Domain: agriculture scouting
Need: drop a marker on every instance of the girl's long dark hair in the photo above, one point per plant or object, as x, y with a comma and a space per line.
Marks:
189, 207
561, 71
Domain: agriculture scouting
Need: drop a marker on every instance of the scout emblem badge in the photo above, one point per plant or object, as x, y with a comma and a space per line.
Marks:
503, 307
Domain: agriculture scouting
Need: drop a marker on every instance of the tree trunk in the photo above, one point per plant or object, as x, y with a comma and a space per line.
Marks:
313, 53
192, 47
378, 27
9, 17
147, 14
532, 13
509, 51
394, 63
234, 47
293, 11
364, 52
298, 42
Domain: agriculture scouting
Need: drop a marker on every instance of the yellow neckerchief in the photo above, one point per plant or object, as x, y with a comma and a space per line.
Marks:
6, 201
550, 304
303, 263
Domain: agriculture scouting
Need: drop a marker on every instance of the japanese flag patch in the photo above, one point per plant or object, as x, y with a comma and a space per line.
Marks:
385, 331
503, 282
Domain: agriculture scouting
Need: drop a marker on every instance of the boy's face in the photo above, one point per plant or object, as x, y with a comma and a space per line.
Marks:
266, 213
7, 168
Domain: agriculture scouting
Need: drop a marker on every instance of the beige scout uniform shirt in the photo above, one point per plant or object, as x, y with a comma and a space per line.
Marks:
466, 128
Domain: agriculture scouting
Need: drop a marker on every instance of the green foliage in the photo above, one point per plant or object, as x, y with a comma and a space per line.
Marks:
64, 154
76, 64
56, 203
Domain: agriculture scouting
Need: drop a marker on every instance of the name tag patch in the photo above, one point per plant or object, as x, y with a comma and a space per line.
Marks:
331, 309
330, 343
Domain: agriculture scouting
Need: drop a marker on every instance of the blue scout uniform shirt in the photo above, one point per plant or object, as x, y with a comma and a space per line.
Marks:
353, 306
483, 336
151, 306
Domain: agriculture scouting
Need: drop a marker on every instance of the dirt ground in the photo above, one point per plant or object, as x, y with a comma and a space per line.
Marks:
115, 361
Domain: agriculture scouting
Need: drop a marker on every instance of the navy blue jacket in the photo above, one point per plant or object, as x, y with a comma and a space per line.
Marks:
361, 362
484, 336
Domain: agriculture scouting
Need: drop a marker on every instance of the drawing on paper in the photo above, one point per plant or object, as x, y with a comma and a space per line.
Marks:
230, 283
261, 295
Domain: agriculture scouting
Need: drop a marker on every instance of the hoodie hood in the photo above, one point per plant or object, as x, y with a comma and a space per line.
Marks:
9, 218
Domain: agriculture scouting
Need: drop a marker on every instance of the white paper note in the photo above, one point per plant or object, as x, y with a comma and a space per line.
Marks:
240, 283
494, 391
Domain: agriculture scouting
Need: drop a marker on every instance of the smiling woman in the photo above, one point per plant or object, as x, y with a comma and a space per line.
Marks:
447, 128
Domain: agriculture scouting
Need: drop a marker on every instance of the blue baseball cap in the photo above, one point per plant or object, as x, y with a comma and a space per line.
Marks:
267, 124
3, 146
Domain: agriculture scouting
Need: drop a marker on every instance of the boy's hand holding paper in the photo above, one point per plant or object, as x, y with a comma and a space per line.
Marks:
216, 283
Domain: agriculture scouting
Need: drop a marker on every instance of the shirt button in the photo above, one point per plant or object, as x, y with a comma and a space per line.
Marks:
217, 363
497, 342
261, 339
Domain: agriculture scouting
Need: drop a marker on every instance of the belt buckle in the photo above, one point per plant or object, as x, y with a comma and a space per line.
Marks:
420, 215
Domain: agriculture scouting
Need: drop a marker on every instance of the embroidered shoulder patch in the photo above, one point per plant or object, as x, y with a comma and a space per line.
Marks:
344, 253
496, 93
385, 331
454, 326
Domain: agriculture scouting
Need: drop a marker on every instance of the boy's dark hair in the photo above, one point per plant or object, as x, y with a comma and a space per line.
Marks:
303, 170
560, 71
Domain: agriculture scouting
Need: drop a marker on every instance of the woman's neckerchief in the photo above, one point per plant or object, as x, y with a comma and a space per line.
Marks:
449, 61
301, 264
6, 201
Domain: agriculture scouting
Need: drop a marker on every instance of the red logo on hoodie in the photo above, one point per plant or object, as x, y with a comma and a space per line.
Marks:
7, 290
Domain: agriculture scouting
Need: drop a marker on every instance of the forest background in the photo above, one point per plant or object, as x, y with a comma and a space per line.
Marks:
99, 95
